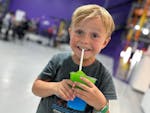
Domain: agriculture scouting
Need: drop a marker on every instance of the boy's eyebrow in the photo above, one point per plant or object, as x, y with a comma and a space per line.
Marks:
95, 31
77, 28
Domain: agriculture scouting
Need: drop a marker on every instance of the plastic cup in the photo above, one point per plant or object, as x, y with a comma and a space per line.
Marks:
77, 103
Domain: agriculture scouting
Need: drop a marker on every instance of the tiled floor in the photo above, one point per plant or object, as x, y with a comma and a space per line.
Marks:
20, 63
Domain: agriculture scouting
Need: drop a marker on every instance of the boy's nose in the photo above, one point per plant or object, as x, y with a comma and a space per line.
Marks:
85, 39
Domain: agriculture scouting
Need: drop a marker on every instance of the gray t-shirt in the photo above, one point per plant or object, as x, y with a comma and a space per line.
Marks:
58, 68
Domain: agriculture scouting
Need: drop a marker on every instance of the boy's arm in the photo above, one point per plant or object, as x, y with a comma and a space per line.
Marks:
43, 88
62, 89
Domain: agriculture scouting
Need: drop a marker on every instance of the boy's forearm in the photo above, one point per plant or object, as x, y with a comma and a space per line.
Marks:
100, 112
104, 109
43, 89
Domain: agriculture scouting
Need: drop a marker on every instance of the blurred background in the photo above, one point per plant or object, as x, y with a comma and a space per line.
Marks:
32, 31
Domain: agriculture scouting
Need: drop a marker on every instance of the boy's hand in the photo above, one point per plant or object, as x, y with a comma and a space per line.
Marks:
90, 94
64, 91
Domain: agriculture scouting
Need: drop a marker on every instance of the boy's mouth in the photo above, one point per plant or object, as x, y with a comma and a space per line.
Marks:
85, 49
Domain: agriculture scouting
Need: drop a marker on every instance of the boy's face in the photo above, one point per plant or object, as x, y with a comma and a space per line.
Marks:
90, 35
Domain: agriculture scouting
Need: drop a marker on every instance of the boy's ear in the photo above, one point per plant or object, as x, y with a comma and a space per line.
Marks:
106, 42
69, 30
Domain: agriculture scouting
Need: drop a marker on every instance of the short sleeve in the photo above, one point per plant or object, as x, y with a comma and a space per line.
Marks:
49, 71
107, 86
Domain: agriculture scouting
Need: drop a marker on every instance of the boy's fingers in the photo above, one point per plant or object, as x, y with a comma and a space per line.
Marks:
62, 95
69, 82
88, 82
80, 93
82, 86
68, 90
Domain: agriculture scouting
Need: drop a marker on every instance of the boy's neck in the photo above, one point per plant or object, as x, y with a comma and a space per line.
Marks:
86, 62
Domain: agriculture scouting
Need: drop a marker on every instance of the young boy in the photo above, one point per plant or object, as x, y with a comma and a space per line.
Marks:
90, 29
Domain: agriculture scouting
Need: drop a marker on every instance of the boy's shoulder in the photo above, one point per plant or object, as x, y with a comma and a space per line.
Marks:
100, 63
102, 68
60, 57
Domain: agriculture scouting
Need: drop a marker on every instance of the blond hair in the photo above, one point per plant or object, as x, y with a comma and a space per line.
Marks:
91, 11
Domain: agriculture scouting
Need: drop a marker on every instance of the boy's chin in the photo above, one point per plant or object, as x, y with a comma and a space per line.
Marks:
87, 58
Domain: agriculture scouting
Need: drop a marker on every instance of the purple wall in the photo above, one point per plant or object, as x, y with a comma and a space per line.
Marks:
49, 10
56, 8
45, 9
112, 3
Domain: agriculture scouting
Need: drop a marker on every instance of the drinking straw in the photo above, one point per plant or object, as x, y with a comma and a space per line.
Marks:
81, 60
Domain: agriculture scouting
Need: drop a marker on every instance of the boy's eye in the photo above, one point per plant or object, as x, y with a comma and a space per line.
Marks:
94, 35
79, 32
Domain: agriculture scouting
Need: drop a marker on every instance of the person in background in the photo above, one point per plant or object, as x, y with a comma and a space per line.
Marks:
62, 37
7, 24
91, 30
1, 23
